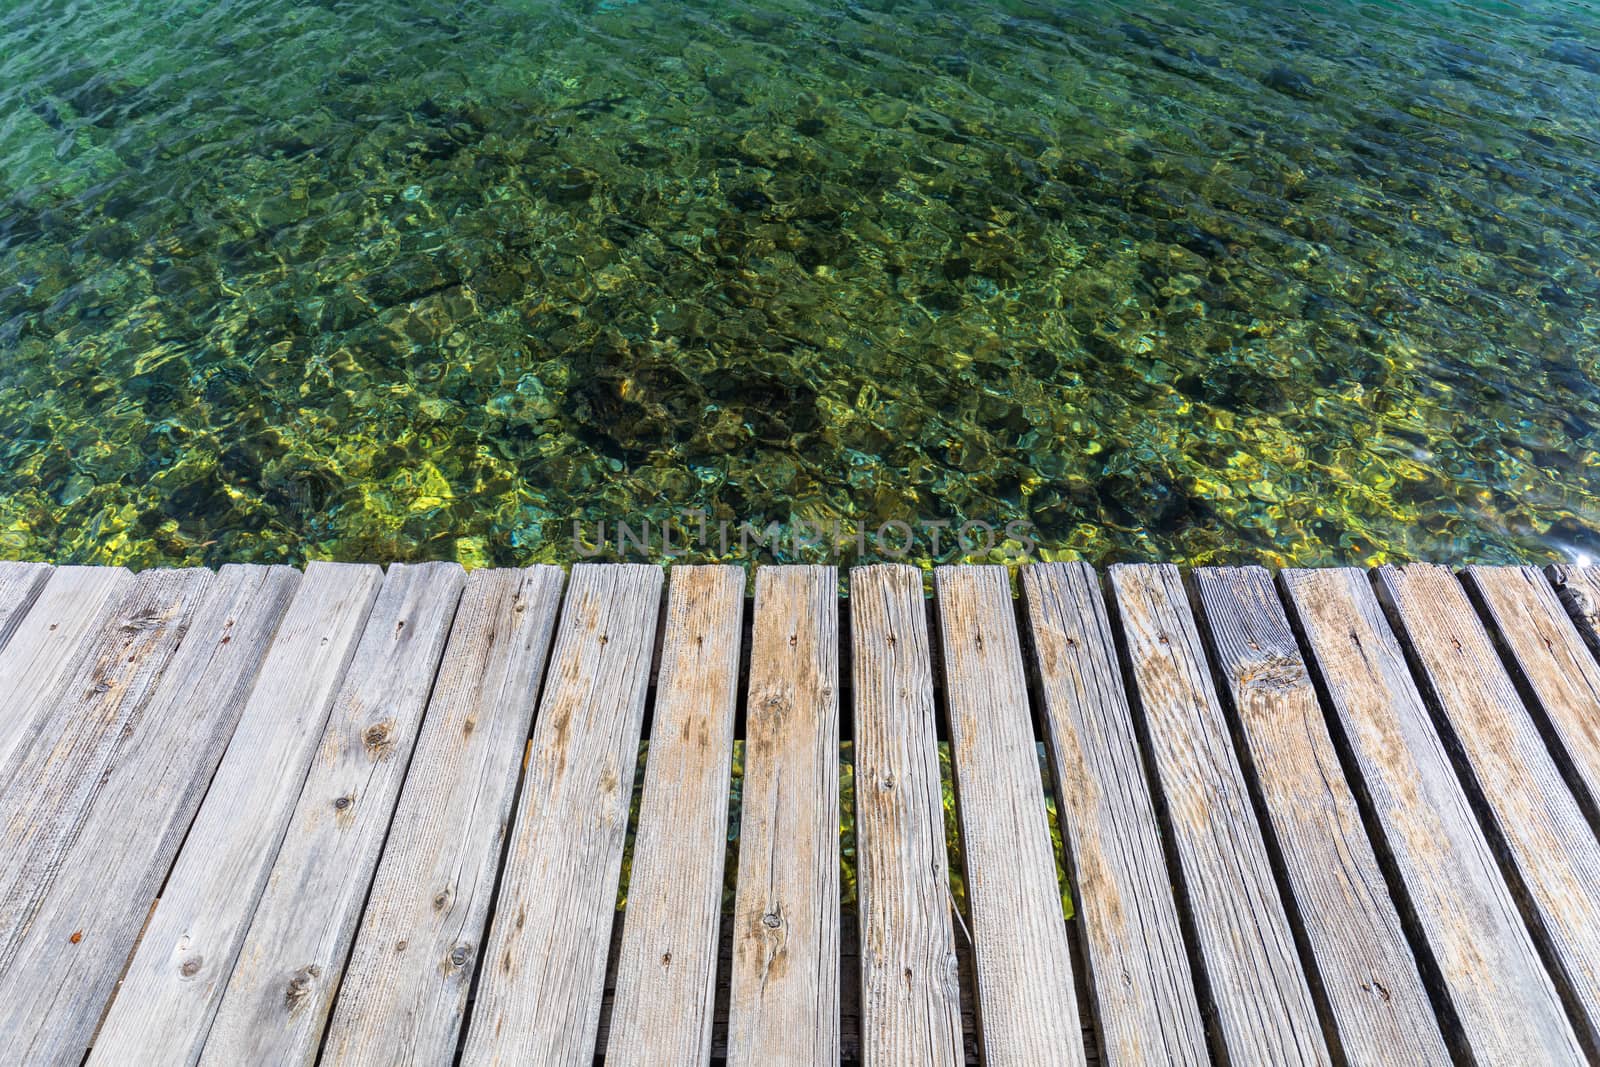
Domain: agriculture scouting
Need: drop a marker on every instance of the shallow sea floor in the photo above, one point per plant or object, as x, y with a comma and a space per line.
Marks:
1196, 281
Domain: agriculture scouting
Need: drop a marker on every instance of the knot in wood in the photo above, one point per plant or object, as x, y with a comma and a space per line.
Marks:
191, 966
379, 739
300, 984
460, 955
772, 920
1276, 674
144, 620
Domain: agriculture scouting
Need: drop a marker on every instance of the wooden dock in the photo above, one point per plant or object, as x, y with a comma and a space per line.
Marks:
357, 816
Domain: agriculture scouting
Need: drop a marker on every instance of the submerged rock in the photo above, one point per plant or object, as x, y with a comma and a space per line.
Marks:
1290, 82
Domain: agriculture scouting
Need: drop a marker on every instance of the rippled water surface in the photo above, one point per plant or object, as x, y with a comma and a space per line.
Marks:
1191, 280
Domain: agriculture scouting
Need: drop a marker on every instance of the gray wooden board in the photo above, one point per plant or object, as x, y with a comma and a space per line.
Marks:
1141, 984
410, 971
137, 738
93, 872
1374, 988
1545, 833
910, 986
20, 584
544, 965
1027, 998
849, 999
46, 648
280, 992
1507, 1006
1263, 1003
56, 778
55, 771
1549, 653
667, 967
784, 1001
1578, 588
175, 979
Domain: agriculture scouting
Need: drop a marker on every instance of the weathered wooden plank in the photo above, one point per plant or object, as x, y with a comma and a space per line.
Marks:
667, 968
55, 773
1374, 988
20, 584
277, 1000
784, 1001
1027, 1001
46, 649
56, 778
1550, 655
1506, 1004
539, 995
910, 986
849, 998
417, 949
1143, 989
1578, 588
76, 896
176, 977
1547, 839
1263, 1004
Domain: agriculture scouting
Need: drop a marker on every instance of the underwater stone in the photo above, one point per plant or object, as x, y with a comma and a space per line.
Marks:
571, 185
1291, 82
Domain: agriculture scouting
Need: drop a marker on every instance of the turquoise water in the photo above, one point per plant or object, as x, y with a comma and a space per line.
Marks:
1197, 281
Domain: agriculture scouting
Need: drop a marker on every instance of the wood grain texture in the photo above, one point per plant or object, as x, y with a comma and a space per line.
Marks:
1263, 1004
784, 1002
77, 894
46, 649
1505, 1001
1546, 837
56, 779
1027, 999
1142, 987
544, 968
910, 986
849, 999
277, 1000
174, 982
1374, 988
411, 968
667, 967
1550, 655
1578, 588
20, 584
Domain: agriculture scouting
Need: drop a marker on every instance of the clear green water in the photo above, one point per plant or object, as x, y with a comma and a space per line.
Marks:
1197, 281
